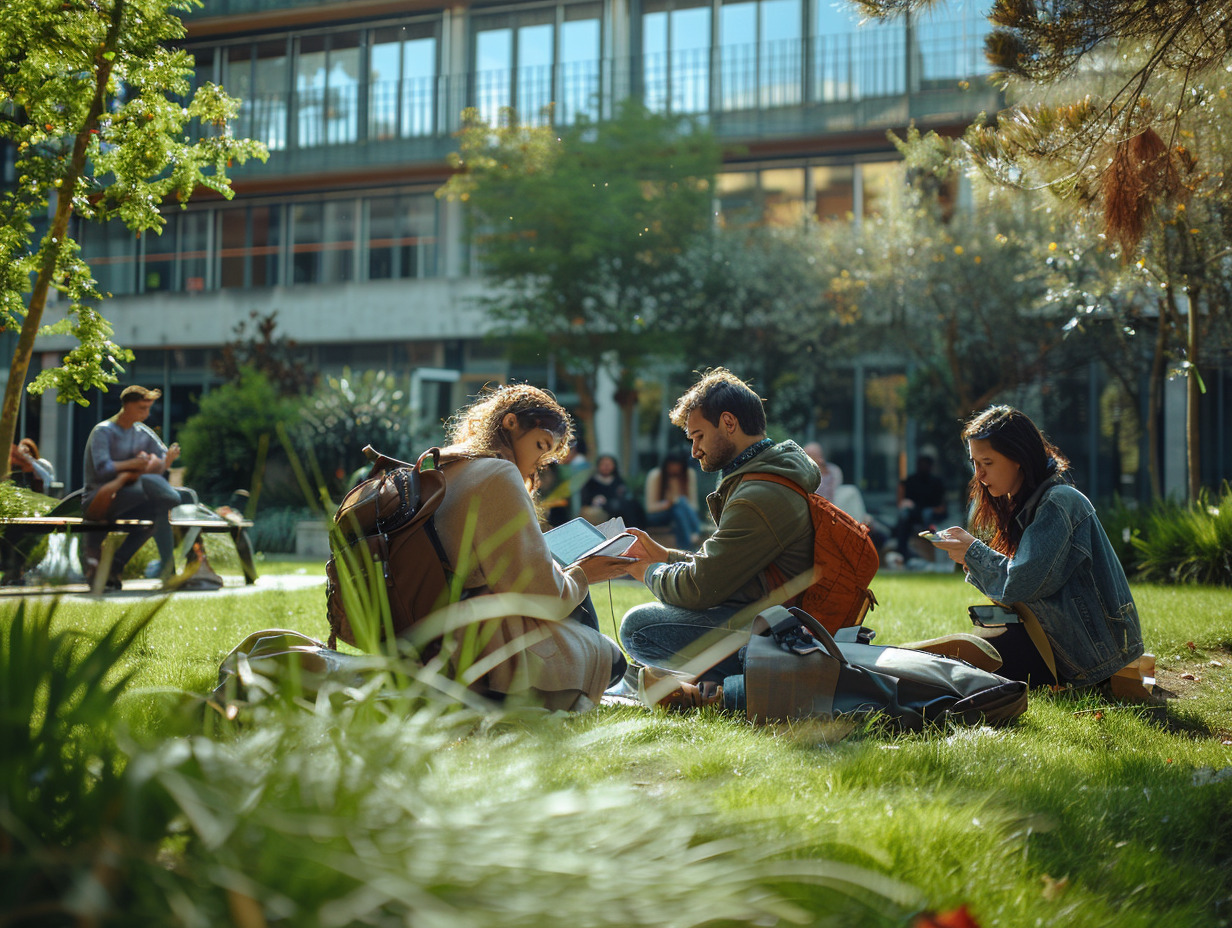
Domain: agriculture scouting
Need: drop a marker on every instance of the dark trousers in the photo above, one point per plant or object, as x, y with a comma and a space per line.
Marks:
149, 497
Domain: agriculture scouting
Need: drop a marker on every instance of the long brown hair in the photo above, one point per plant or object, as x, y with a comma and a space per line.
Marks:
1011, 433
477, 430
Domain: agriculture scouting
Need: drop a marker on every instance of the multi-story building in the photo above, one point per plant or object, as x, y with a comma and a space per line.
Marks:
340, 231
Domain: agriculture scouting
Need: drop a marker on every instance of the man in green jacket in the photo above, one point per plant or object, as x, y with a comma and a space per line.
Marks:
708, 599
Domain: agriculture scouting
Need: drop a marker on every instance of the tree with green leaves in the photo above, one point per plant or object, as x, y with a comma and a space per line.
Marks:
97, 106
1122, 108
585, 232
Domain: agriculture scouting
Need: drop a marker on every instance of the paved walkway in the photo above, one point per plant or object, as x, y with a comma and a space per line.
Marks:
147, 589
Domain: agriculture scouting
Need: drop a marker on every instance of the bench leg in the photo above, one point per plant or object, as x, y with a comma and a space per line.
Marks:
244, 549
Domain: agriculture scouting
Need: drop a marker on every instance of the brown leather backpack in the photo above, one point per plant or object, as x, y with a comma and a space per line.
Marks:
845, 560
384, 542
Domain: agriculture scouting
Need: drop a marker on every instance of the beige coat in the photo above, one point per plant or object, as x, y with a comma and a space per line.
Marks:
489, 530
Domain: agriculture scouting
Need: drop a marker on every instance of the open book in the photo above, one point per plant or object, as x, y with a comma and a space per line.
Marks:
577, 539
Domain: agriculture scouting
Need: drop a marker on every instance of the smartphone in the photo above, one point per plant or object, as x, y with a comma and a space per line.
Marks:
991, 614
934, 536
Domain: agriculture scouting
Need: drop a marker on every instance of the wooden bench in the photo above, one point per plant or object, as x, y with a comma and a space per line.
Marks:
188, 520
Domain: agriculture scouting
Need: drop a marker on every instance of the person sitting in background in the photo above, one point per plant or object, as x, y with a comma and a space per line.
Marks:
125, 462
489, 530
921, 502
29, 470
670, 493
606, 495
831, 473
1037, 541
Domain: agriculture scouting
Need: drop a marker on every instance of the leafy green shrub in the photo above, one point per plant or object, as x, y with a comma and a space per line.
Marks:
1188, 544
273, 529
232, 442
1121, 521
345, 413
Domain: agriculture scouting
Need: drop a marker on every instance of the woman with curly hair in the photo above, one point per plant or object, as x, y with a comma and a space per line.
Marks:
1036, 541
551, 652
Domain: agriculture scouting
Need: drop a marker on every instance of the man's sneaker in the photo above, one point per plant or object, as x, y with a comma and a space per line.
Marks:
966, 647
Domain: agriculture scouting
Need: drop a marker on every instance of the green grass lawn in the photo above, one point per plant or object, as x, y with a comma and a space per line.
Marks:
1083, 813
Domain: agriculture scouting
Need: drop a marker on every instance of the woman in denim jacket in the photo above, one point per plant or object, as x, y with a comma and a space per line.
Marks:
1044, 547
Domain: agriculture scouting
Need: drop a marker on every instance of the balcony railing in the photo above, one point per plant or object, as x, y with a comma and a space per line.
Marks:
824, 71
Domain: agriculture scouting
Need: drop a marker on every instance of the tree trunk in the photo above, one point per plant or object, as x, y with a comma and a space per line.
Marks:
626, 399
585, 409
1155, 402
53, 243
1193, 393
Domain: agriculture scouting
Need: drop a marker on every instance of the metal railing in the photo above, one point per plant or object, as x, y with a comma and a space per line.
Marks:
875, 64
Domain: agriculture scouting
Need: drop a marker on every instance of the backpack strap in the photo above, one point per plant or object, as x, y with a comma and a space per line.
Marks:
774, 576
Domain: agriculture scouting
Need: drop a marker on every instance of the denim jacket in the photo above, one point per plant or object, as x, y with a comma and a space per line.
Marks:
1066, 572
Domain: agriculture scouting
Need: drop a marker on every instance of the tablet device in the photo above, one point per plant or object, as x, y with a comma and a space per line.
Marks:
577, 538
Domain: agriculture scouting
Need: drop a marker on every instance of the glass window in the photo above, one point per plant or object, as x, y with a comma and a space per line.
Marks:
534, 72
853, 60
342, 89
306, 225
738, 55
402, 236
233, 247
676, 55
327, 89
266, 264
194, 250
261, 82
158, 270
781, 69
402, 82
580, 52
782, 191
833, 192
111, 251
876, 182
311, 68
493, 72
948, 45
737, 193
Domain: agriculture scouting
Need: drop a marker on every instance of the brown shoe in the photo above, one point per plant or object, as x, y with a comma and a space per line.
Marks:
966, 647
664, 689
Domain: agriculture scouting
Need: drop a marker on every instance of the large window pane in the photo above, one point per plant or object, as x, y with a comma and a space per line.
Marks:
269, 95
738, 55
194, 250
338, 262
402, 236
266, 246
311, 80
676, 56
781, 68
877, 181
949, 45
782, 193
342, 90
534, 72
306, 219
833, 192
158, 270
233, 247
111, 251
737, 192
580, 78
402, 82
419, 86
493, 72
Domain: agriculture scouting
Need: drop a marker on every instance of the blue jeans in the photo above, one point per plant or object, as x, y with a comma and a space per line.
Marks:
149, 497
684, 520
667, 636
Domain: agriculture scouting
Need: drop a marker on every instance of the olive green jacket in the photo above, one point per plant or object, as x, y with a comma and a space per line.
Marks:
759, 523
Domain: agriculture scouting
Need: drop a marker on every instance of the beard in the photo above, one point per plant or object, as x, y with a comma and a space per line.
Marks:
721, 453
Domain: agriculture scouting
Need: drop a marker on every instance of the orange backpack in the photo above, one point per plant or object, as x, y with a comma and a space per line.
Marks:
845, 560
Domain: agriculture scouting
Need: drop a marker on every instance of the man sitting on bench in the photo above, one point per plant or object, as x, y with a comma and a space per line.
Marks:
124, 466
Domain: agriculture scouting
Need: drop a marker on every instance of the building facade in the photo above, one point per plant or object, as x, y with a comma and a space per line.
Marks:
341, 233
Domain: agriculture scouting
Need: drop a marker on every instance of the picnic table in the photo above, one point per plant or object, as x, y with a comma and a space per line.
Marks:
188, 521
